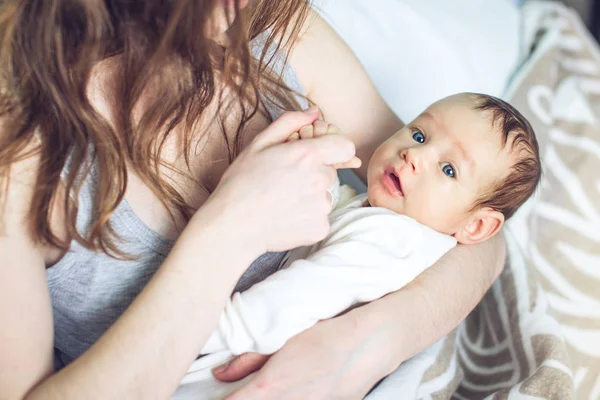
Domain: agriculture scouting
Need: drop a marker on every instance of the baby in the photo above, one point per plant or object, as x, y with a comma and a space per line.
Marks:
454, 174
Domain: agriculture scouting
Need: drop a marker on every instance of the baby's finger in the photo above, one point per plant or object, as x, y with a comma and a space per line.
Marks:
333, 129
307, 132
320, 128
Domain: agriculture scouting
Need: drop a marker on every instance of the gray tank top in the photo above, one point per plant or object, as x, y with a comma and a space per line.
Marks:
90, 290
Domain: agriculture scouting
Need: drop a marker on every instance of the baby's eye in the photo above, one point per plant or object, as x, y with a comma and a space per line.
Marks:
448, 170
419, 137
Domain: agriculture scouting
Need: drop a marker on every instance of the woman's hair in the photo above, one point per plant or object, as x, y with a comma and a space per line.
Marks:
47, 51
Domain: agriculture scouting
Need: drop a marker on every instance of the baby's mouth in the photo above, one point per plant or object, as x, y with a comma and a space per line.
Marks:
396, 182
392, 182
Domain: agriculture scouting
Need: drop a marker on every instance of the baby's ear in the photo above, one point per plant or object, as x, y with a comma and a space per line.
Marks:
482, 225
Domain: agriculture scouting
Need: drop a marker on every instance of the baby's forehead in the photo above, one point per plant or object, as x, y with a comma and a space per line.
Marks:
460, 119
472, 133
466, 109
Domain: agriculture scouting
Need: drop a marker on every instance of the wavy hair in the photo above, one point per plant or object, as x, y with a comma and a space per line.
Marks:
48, 49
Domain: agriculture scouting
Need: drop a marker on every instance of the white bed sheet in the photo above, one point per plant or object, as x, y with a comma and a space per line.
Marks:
418, 51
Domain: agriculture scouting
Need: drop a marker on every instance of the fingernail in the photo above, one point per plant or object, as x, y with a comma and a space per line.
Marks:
221, 368
312, 109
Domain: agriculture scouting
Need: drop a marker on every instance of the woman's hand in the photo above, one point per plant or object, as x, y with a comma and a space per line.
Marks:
340, 358
320, 128
280, 189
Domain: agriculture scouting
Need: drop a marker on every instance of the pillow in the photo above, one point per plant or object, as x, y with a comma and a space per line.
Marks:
417, 52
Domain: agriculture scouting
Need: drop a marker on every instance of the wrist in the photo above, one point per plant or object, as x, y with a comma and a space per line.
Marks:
217, 222
383, 326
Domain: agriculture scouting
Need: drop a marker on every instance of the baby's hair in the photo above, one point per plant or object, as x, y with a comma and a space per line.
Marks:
507, 195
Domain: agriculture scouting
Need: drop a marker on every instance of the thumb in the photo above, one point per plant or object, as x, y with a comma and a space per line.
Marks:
281, 129
240, 367
354, 163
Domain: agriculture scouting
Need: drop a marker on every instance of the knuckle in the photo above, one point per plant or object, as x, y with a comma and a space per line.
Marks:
305, 156
348, 148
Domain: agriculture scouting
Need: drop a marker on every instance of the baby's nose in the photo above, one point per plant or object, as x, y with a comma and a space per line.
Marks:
410, 158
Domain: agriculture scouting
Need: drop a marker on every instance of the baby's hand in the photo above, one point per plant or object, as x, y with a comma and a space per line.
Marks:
316, 129
321, 128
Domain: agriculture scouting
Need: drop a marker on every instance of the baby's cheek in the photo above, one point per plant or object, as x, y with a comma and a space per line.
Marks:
429, 208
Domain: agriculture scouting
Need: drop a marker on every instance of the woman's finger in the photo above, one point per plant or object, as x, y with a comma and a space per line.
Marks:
331, 149
354, 163
320, 127
281, 129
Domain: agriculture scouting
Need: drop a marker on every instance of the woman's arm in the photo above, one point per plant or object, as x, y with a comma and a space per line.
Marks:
439, 299
147, 350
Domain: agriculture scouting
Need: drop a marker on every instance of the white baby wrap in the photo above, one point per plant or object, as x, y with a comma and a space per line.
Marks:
368, 253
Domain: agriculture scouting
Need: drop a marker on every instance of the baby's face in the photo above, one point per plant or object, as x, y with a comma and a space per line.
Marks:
436, 167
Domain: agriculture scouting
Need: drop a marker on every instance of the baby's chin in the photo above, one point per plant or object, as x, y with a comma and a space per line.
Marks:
381, 200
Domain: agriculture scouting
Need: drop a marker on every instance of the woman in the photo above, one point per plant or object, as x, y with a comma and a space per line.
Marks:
118, 120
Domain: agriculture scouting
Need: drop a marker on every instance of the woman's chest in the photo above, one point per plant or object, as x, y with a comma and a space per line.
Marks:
210, 152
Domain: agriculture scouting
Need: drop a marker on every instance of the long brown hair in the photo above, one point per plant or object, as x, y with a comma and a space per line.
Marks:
47, 51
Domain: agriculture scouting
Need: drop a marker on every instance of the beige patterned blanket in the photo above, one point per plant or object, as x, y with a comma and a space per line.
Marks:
536, 334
